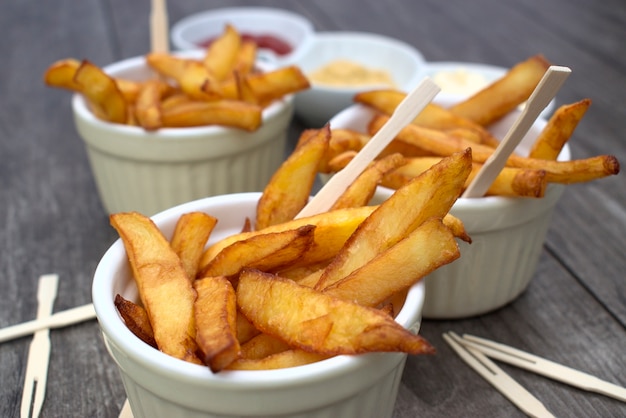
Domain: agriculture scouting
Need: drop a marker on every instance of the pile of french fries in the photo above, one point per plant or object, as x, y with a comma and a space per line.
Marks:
437, 132
222, 88
289, 291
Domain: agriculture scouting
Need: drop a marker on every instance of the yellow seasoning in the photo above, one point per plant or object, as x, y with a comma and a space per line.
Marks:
348, 73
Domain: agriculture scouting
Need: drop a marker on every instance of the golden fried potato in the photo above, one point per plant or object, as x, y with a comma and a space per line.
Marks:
399, 267
262, 251
290, 186
505, 94
136, 319
431, 194
433, 116
322, 324
222, 54
190, 236
215, 312
362, 189
282, 360
164, 289
559, 129
332, 229
101, 92
231, 113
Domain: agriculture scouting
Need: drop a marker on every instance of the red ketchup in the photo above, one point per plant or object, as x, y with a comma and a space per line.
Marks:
265, 41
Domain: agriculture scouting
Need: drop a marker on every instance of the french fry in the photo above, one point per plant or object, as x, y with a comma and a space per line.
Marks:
246, 58
261, 346
101, 92
191, 233
263, 251
61, 74
164, 289
229, 113
222, 54
275, 84
322, 323
192, 76
432, 141
505, 94
215, 312
148, 105
279, 202
431, 194
284, 359
433, 116
511, 182
136, 319
425, 249
362, 189
559, 129
332, 229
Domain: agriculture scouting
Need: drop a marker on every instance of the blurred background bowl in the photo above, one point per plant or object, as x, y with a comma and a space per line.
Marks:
401, 61
158, 385
463, 79
507, 235
277, 26
149, 171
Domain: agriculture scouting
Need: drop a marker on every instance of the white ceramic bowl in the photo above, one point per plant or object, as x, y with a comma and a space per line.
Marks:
507, 237
296, 30
158, 385
318, 104
462, 79
151, 171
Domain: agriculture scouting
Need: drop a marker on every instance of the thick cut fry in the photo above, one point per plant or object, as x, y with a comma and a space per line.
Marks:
431, 194
430, 141
275, 84
191, 234
559, 129
261, 346
136, 319
101, 92
230, 113
282, 360
361, 190
290, 186
245, 330
148, 104
61, 74
322, 324
246, 58
164, 289
215, 313
433, 116
574, 171
510, 181
264, 251
192, 76
425, 249
332, 229
505, 94
221, 55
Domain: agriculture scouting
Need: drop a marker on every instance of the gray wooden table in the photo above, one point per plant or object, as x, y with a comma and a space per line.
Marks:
574, 311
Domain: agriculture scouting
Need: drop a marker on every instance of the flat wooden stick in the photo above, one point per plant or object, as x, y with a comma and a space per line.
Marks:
159, 27
57, 320
39, 351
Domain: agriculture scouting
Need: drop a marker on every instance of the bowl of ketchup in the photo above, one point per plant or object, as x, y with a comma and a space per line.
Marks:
279, 34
